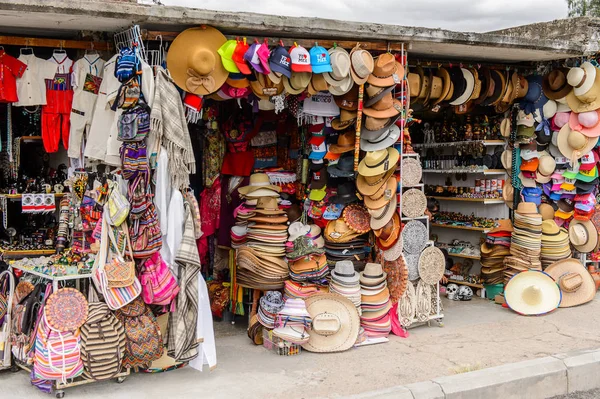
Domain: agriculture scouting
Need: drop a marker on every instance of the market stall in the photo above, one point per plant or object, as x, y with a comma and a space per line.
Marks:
307, 187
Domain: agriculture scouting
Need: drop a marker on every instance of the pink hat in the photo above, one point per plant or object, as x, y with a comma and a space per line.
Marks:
263, 55
234, 92
588, 123
560, 119
559, 221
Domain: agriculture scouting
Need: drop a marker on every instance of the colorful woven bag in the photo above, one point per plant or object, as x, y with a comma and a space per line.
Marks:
116, 208
119, 271
146, 237
115, 298
66, 310
134, 124
144, 341
134, 160
159, 286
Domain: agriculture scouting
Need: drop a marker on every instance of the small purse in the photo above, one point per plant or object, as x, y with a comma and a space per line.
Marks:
120, 272
116, 208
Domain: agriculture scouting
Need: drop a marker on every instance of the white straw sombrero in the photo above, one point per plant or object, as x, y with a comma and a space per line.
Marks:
532, 293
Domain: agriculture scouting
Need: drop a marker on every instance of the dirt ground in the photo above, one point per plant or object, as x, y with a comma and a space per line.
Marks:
476, 334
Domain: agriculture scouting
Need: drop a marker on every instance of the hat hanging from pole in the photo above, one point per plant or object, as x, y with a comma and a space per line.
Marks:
194, 62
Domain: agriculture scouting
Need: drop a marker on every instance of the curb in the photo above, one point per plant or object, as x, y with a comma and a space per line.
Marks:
538, 378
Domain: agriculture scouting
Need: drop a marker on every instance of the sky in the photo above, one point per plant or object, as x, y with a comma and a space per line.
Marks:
457, 15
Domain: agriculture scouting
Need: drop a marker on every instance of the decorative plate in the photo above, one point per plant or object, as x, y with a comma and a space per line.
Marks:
357, 218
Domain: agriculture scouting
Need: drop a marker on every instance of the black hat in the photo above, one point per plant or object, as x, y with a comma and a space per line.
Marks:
319, 177
346, 194
458, 81
344, 167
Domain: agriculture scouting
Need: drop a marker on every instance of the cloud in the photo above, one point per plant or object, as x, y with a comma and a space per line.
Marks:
457, 15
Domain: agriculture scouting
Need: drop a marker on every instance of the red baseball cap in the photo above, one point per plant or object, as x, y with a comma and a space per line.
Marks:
238, 58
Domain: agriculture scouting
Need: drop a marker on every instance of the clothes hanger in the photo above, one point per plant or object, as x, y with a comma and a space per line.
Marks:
23, 50
91, 50
59, 51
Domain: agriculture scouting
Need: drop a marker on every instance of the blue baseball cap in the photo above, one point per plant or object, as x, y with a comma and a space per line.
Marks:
319, 60
280, 61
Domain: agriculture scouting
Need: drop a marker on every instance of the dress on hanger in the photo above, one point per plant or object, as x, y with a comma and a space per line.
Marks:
56, 113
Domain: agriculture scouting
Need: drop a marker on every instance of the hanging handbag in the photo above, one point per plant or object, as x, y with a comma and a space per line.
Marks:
116, 208
134, 123
115, 298
119, 271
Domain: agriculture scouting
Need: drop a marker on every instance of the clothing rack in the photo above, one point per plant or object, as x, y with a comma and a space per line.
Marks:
57, 43
131, 37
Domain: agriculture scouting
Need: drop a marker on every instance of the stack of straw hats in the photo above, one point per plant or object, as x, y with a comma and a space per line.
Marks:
526, 241
555, 243
375, 301
345, 282
493, 252
293, 321
269, 305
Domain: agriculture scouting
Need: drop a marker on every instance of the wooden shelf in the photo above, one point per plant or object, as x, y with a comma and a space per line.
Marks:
34, 252
31, 138
465, 283
487, 201
467, 170
476, 257
20, 196
449, 226
486, 143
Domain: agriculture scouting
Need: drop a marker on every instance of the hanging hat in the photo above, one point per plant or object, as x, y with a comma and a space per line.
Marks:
349, 100
446, 85
264, 88
317, 84
386, 107
386, 71
226, 52
344, 167
507, 159
383, 195
372, 274
297, 83
583, 235
194, 62
345, 143
498, 82
335, 323
346, 194
258, 181
377, 162
280, 62
575, 282
389, 235
532, 293
340, 65
586, 88
369, 185
362, 65
468, 88
385, 140
345, 120
296, 230
380, 217
535, 98
373, 127
555, 84
588, 123
574, 144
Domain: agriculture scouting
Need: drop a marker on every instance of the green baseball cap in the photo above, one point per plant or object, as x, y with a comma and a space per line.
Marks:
226, 53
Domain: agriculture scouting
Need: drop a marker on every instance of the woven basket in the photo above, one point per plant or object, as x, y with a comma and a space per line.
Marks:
411, 172
432, 264
414, 203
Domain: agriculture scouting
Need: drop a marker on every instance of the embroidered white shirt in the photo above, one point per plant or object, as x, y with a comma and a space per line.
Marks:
31, 87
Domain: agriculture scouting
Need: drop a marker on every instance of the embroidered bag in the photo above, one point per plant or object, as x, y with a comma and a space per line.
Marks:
146, 237
115, 297
143, 338
138, 197
134, 124
129, 94
134, 159
102, 343
120, 272
116, 208
159, 286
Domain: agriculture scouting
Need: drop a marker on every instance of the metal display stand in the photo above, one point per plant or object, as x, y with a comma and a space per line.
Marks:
436, 314
58, 387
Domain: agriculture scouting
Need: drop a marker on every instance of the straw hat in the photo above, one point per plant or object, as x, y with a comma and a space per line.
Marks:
297, 229
337, 231
383, 195
297, 83
345, 120
546, 211
583, 235
532, 293
432, 264
258, 181
555, 84
362, 65
414, 237
369, 185
384, 140
586, 88
527, 209
268, 206
335, 323
386, 71
193, 60
414, 203
507, 194
344, 273
575, 282
372, 274
412, 172
380, 217
377, 162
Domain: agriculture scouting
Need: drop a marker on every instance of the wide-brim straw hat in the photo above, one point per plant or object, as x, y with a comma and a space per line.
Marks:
583, 235
258, 181
585, 95
335, 323
369, 185
383, 195
414, 237
574, 144
297, 83
575, 282
412, 172
377, 162
194, 62
414, 203
532, 293
432, 264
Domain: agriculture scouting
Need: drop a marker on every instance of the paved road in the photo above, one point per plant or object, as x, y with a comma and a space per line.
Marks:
581, 395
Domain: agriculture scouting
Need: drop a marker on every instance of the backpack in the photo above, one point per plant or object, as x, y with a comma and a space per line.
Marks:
24, 312
159, 286
102, 343
127, 64
134, 159
134, 123
143, 338
57, 354
116, 208
145, 233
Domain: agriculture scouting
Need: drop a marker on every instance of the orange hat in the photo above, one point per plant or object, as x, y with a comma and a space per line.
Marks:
531, 165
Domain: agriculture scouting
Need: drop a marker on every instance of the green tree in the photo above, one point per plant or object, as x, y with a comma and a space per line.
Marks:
584, 8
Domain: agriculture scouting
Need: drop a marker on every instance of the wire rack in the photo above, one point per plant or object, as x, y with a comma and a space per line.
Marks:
131, 38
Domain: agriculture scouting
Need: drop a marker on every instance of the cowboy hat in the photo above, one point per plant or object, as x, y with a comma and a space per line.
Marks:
297, 83
487, 85
193, 60
349, 100
555, 84
385, 140
377, 162
383, 195
468, 89
369, 185
386, 71
380, 217
345, 120
264, 88
362, 65
583, 235
532, 293
385, 107
335, 323
414, 84
575, 282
